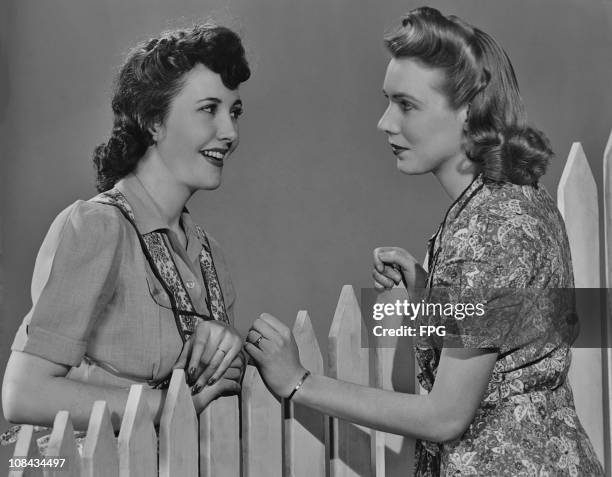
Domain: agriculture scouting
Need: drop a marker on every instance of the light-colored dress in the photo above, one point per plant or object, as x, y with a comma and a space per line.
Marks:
97, 305
495, 237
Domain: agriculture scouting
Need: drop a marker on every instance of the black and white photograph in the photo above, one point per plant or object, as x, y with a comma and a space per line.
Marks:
265, 238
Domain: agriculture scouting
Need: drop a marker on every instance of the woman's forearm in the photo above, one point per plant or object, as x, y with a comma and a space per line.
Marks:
34, 390
406, 414
38, 403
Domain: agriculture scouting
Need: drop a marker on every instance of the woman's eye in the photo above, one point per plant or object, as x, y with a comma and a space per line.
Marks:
406, 106
236, 113
209, 108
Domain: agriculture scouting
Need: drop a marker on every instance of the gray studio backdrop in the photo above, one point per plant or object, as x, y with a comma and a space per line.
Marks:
313, 187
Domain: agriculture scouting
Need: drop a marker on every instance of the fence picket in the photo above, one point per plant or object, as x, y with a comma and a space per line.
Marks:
63, 445
100, 458
26, 447
261, 428
178, 431
220, 439
351, 445
577, 201
395, 369
607, 204
137, 441
305, 429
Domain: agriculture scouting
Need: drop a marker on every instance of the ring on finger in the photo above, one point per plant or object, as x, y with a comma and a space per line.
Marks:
258, 340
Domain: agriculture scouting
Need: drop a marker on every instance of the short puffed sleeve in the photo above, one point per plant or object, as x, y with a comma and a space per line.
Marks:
487, 273
73, 281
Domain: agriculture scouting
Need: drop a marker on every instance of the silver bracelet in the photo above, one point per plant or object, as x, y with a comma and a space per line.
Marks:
298, 385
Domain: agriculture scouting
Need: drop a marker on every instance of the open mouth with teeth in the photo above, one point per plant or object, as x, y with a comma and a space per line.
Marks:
214, 156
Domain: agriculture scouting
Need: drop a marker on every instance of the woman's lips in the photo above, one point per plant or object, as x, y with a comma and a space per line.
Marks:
398, 149
214, 157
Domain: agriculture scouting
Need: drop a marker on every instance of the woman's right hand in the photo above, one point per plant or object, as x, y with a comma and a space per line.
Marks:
208, 353
393, 265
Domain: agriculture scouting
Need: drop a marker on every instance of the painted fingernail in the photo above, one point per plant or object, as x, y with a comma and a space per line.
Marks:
211, 381
196, 389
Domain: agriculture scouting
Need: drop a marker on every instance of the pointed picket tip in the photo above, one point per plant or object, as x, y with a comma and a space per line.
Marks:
348, 356
26, 447
576, 179
305, 429
178, 430
310, 351
100, 456
577, 202
63, 444
347, 306
137, 441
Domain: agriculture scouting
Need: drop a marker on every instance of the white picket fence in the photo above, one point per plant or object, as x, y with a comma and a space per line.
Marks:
259, 436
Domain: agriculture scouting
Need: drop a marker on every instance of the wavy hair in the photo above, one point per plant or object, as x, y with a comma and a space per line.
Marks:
479, 75
151, 76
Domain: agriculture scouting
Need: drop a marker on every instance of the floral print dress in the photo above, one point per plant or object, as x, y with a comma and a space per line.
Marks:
505, 236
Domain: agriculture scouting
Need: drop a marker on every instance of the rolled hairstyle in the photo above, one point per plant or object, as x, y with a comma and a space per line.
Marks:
478, 73
152, 75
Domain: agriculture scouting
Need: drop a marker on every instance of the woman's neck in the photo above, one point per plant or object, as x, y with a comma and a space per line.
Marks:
168, 194
456, 174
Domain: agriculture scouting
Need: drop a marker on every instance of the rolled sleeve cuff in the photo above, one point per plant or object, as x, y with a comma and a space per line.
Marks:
54, 347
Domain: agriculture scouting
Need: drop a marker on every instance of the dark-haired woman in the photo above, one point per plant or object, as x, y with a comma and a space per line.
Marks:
501, 404
126, 286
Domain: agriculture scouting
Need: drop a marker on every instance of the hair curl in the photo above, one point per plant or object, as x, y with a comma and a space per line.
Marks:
478, 74
151, 76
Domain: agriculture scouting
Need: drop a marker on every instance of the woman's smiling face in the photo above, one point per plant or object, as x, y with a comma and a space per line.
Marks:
425, 133
200, 130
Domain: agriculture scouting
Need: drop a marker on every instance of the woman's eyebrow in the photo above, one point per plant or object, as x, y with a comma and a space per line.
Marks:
400, 96
213, 99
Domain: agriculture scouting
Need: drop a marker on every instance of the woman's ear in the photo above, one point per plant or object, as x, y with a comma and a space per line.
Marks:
157, 132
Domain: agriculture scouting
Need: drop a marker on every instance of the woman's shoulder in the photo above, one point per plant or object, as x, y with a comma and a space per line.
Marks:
89, 212
506, 210
86, 222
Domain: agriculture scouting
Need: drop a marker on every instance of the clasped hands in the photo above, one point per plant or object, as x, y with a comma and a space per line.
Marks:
214, 354
214, 362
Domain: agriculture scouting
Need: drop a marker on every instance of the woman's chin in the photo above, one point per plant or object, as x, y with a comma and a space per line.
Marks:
409, 168
207, 184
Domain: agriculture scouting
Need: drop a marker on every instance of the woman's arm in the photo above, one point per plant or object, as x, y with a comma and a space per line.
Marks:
35, 389
444, 414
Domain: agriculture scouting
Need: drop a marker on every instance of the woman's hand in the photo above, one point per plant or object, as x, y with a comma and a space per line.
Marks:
272, 346
393, 265
210, 351
228, 385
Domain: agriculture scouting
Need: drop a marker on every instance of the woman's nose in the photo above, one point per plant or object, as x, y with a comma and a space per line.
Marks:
227, 130
386, 123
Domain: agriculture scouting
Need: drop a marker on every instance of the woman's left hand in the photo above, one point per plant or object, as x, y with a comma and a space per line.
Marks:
272, 346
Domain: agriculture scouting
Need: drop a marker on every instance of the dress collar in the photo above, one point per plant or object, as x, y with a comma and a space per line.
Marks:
464, 198
147, 215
